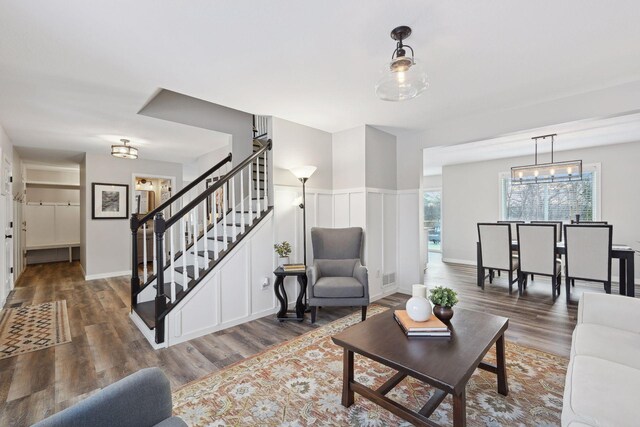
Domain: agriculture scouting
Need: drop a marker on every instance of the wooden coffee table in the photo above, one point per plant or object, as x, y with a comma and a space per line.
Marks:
446, 364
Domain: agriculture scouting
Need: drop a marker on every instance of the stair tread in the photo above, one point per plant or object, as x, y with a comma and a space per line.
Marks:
221, 238
167, 288
190, 271
147, 312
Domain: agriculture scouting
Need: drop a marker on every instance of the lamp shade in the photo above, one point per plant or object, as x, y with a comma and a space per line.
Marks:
403, 79
303, 172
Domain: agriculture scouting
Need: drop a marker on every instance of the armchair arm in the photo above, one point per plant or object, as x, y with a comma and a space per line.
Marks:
360, 273
313, 274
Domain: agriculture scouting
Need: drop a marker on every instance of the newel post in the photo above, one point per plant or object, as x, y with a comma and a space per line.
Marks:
159, 227
135, 280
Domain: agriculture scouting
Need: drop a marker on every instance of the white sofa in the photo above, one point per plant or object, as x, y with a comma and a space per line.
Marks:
602, 387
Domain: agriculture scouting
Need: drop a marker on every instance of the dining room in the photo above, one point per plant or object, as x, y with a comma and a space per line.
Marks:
551, 209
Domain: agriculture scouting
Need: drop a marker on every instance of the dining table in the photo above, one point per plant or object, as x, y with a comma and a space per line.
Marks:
624, 253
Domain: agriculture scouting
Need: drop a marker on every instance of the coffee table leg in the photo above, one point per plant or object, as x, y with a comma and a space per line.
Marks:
460, 409
503, 387
347, 377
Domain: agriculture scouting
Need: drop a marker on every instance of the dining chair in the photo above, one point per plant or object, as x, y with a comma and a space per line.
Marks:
513, 224
537, 255
588, 254
558, 225
573, 221
495, 251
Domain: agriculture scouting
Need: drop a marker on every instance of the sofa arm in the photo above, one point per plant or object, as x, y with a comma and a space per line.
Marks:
141, 399
614, 311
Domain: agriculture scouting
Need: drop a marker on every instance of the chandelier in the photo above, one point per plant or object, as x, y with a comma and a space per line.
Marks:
539, 173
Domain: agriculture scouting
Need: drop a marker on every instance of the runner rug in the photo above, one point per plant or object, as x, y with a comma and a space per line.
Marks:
299, 383
33, 327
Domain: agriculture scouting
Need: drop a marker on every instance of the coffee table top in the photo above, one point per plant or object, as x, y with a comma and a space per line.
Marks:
446, 363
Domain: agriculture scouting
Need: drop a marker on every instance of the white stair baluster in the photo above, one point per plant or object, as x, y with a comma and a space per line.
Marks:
214, 215
155, 255
224, 216
205, 229
194, 220
242, 223
266, 182
144, 251
258, 208
250, 193
171, 266
183, 245
233, 207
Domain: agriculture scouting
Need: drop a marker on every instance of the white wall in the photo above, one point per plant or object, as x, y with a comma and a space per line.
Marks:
380, 159
349, 170
298, 145
432, 181
205, 162
468, 201
106, 244
6, 215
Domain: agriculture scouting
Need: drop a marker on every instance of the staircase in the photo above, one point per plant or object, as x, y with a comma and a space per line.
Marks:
194, 231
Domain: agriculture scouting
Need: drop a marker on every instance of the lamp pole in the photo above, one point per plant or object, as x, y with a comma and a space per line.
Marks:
304, 220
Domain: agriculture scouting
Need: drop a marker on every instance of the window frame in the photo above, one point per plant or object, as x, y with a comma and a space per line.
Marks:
587, 167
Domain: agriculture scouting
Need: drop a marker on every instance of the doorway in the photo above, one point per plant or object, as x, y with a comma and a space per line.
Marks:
432, 219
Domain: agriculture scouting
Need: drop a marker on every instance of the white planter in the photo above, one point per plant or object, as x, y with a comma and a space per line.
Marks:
283, 260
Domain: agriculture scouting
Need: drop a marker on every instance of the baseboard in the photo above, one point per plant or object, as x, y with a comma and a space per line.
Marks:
106, 275
457, 261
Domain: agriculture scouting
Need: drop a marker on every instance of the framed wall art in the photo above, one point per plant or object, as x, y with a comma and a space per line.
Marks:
109, 201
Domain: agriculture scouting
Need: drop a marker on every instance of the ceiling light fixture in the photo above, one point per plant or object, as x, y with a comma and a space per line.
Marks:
403, 78
124, 151
539, 173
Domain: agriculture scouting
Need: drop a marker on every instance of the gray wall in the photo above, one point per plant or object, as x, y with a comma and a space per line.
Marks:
470, 194
106, 244
380, 157
179, 108
298, 145
432, 181
409, 160
349, 158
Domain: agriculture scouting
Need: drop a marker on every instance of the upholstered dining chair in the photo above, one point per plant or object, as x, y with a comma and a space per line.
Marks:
513, 224
588, 254
537, 255
558, 225
495, 250
337, 276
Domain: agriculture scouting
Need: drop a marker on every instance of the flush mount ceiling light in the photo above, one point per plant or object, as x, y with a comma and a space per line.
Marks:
403, 78
539, 173
124, 150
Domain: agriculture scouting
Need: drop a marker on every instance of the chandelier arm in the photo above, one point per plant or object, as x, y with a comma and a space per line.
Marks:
412, 54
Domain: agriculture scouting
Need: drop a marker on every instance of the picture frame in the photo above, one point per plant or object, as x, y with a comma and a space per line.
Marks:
109, 201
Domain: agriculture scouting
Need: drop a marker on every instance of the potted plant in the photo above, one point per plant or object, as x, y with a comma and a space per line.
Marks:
283, 250
443, 300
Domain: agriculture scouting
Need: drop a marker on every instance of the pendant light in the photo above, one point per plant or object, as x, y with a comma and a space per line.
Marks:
540, 173
403, 78
124, 150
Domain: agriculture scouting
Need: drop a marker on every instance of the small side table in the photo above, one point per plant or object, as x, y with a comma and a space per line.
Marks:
281, 294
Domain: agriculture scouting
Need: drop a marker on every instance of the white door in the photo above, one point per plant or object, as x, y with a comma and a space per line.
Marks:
8, 247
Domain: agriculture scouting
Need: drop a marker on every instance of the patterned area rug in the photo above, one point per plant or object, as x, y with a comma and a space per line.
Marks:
33, 327
299, 383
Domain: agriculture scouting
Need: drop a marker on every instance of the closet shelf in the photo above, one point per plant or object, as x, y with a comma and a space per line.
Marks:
52, 184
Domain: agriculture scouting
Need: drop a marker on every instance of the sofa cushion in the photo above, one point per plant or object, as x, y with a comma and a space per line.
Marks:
336, 267
607, 343
600, 393
338, 287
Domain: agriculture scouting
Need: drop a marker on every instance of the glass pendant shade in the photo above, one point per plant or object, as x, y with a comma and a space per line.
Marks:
303, 172
401, 80
124, 151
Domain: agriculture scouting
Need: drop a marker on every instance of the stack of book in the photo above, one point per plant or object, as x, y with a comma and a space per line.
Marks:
294, 267
432, 327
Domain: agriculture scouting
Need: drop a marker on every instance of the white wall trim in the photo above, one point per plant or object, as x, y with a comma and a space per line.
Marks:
106, 275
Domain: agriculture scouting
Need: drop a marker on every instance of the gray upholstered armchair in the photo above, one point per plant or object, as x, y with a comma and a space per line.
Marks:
337, 276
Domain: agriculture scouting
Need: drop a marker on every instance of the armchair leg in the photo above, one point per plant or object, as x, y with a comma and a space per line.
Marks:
364, 313
314, 311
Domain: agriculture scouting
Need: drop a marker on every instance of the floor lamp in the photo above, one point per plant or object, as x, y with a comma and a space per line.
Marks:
303, 173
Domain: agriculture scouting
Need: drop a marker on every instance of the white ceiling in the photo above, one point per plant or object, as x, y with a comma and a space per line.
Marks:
570, 136
73, 74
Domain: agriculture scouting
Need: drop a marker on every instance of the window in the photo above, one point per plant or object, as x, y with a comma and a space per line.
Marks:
551, 201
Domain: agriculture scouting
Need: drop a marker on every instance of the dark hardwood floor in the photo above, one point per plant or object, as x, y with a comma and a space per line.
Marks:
106, 346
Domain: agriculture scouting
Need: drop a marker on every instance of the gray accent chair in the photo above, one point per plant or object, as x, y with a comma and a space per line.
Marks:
337, 276
142, 399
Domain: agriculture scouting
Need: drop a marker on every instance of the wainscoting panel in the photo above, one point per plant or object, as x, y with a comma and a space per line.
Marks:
357, 209
390, 238
374, 245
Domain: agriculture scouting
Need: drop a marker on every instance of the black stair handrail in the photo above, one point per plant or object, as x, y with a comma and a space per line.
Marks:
137, 223
221, 182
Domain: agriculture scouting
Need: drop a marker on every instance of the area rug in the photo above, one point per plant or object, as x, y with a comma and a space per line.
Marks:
33, 327
299, 383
